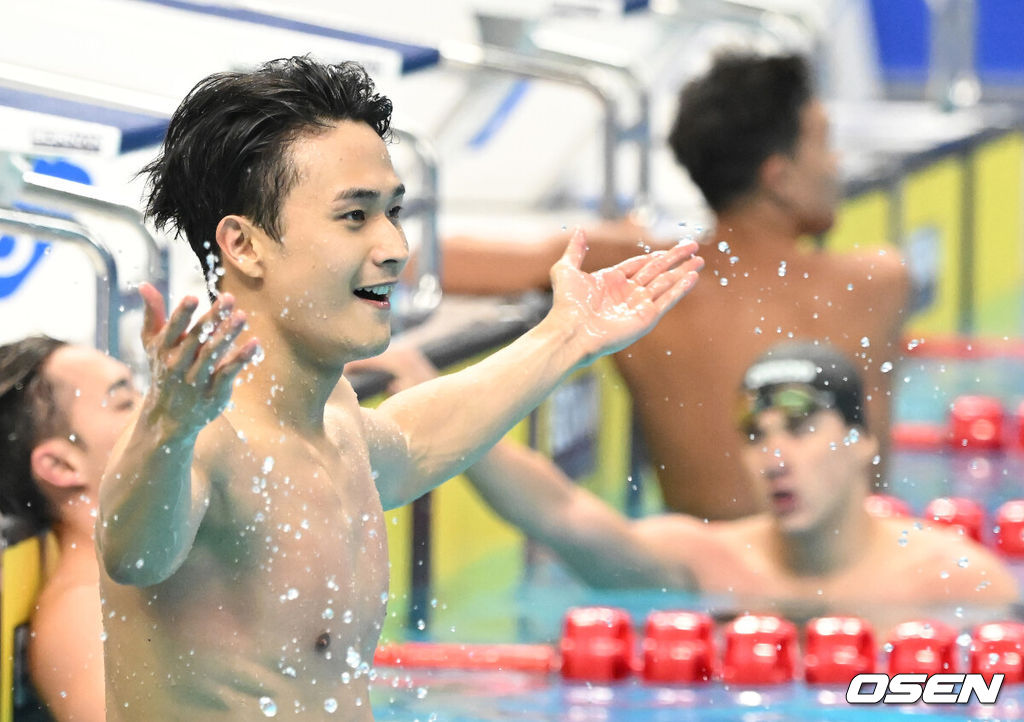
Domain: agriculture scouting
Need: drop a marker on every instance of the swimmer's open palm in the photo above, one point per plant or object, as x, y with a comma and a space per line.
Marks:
612, 308
192, 370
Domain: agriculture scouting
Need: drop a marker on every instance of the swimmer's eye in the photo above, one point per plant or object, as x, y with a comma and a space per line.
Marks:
799, 425
358, 216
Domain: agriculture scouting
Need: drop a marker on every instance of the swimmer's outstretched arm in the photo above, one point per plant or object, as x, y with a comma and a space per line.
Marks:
447, 424
601, 546
151, 501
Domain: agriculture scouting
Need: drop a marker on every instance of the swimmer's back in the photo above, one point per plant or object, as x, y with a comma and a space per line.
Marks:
685, 375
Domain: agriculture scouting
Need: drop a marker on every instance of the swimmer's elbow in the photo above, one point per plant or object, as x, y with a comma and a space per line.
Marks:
131, 567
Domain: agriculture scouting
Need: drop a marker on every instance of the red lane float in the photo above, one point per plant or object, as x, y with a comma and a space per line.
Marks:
1009, 528
998, 648
884, 506
976, 423
759, 649
539, 658
959, 512
922, 647
678, 647
837, 649
597, 644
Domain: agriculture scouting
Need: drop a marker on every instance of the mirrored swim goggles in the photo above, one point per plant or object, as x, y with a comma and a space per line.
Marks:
795, 401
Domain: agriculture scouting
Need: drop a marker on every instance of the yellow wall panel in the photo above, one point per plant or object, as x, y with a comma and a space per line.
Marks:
998, 273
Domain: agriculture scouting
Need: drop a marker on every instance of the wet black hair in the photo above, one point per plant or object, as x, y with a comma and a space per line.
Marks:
746, 108
226, 149
29, 414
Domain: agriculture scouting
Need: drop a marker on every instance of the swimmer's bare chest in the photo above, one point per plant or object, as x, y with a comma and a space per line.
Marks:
286, 584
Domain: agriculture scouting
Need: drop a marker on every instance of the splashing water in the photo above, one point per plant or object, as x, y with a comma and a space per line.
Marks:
267, 707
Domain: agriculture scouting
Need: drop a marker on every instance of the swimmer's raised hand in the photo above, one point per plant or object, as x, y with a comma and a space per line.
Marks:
613, 307
192, 370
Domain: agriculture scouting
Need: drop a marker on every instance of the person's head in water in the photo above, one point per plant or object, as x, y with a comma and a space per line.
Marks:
751, 128
808, 445
62, 408
281, 180
227, 145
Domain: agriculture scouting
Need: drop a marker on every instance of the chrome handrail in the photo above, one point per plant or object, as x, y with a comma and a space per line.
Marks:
59, 230
426, 292
73, 196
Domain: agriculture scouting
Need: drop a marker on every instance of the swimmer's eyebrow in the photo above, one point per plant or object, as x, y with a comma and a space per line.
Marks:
367, 194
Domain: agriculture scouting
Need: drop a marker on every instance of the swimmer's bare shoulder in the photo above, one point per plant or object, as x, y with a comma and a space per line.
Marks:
939, 564
873, 276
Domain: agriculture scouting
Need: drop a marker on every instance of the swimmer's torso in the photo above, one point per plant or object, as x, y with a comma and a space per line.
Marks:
278, 606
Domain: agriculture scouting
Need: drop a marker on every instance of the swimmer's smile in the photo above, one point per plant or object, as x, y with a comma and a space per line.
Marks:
379, 295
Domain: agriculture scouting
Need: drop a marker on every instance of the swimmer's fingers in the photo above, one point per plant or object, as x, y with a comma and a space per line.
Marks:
659, 263
232, 362
667, 281
187, 348
154, 317
575, 250
668, 298
211, 351
171, 333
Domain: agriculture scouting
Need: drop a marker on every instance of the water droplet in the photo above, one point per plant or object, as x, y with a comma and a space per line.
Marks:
293, 593
330, 705
723, 246
352, 658
267, 707
943, 574
346, 616
886, 367
865, 342
962, 562
421, 692
268, 464
139, 563
782, 269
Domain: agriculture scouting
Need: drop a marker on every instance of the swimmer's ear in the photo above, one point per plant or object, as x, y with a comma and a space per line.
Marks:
58, 462
241, 245
774, 175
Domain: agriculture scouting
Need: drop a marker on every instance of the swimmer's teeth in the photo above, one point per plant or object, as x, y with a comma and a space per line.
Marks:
383, 290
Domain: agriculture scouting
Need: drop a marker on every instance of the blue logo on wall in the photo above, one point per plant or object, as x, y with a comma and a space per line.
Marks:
20, 255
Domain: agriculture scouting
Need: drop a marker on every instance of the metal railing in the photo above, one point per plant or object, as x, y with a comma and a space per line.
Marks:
59, 230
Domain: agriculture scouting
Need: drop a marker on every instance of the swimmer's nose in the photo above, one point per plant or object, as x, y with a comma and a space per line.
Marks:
390, 248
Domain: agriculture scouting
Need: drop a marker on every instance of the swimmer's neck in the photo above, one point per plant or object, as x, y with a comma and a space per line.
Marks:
759, 227
830, 547
286, 389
